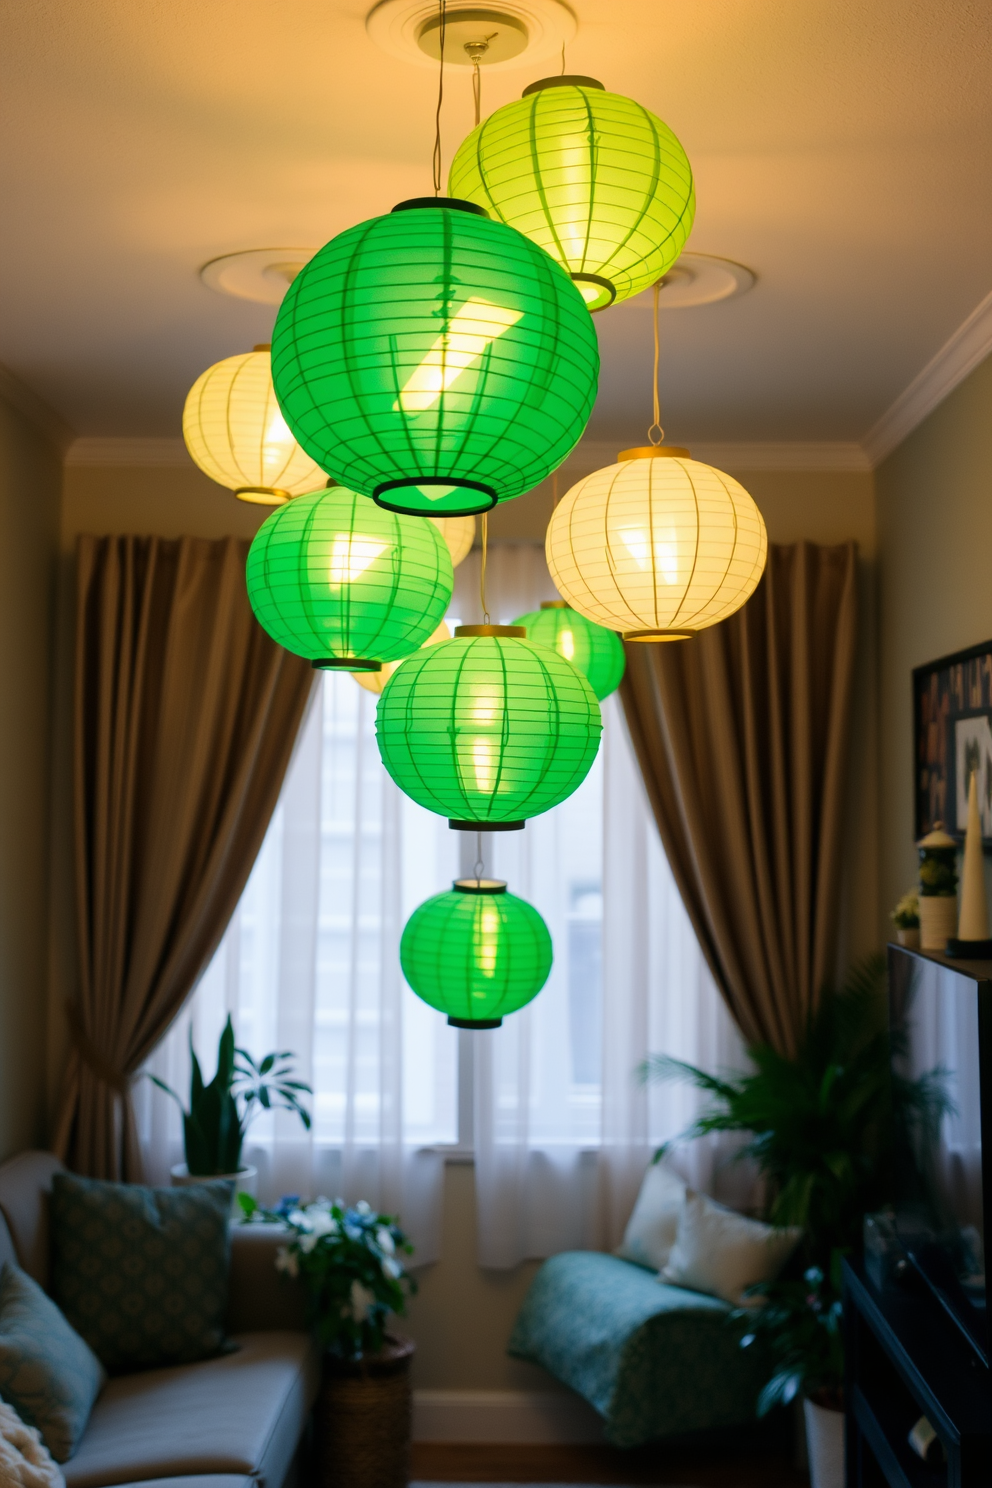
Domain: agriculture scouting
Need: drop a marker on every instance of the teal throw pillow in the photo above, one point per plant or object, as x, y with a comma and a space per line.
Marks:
142, 1273
47, 1372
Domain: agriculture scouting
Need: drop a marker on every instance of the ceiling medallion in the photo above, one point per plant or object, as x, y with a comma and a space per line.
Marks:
517, 33
260, 274
699, 279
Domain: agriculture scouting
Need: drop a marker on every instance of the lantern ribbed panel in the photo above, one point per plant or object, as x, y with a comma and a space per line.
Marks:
656, 544
376, 681
459, 534
235, 432
476, 957
596, 651
598, 181
434, 345
332, 575
488, 729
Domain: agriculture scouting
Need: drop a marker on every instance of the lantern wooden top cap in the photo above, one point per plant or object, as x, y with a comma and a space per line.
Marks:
654, 452
489, 630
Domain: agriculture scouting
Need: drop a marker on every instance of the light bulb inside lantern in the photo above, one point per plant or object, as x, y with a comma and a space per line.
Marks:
351, 556
475, 327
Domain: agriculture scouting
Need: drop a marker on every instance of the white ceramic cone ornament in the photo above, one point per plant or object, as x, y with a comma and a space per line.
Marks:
973, 920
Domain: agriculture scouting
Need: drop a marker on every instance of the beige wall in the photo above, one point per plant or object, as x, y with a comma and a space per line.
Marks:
30, 478
935, 590
462, 1316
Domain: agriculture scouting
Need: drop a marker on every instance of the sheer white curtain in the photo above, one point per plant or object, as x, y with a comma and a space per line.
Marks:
562, 1131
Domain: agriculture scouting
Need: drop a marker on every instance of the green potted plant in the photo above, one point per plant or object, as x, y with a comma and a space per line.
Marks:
351, 1264
825, 1127
220, 1113
906, 918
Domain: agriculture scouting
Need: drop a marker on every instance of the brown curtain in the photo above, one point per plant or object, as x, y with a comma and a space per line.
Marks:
185, 718
742, 737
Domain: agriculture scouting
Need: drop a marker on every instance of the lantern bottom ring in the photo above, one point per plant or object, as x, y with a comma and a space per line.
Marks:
475, 1022
346, 664
262, 495
463, 498
486, 826
598, 293
658, 635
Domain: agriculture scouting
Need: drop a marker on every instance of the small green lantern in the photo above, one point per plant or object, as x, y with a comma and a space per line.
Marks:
488, 729
476, 953
596, 651
434, 360
600, 182
333, 577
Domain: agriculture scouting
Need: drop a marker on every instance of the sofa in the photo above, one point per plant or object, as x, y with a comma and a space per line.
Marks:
227, 1422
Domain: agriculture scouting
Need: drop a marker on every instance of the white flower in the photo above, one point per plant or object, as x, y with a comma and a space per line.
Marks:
361, 1301
323, 1223
363, 1207
286, 1261
384, 1240
391, 1267
298, 1218
308, 1243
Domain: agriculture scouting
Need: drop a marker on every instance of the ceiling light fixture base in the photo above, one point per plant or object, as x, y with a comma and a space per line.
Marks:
517, 33
697, 279
260, 274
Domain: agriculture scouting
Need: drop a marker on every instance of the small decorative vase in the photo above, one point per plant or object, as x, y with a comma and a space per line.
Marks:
938, 920
245, 1180
363, 1418
909, 938
824, 1445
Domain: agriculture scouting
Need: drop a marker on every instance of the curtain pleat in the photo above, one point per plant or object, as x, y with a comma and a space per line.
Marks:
186, 715
742, 736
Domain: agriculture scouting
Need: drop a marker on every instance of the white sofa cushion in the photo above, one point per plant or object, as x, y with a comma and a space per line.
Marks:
652, 1227
241, 1414
721, 1252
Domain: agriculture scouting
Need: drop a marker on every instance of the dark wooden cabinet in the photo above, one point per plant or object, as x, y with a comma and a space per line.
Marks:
906, 1359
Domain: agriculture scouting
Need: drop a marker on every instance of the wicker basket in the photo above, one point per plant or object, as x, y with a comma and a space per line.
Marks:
363, 1420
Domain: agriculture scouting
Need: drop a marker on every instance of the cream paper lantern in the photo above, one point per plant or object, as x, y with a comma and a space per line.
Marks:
376, 681
458, 533
235, 432
657, 546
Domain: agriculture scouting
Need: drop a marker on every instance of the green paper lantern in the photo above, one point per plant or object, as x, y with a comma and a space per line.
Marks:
476, 953
333, 577
434, 360
488, 729
596, 651
599, 181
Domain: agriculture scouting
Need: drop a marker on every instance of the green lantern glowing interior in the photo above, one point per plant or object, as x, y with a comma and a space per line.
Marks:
333, 577
488, 729
596, 651
476, 953
597, 180
435, 360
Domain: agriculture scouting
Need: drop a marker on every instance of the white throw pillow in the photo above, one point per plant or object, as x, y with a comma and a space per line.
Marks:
651, 1229
721, 1252
25, 1461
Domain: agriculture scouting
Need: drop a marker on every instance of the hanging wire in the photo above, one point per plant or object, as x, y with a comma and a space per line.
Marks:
656, 433
482, 570
477, 92
442, 27
563, 59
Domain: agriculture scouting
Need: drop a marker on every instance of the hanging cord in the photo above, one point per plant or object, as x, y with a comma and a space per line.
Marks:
442, 27
475, 51
477, 92
563, 59
656, 433
479, 860
482, 570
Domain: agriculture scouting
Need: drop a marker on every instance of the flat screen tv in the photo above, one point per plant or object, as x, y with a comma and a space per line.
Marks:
942, 1025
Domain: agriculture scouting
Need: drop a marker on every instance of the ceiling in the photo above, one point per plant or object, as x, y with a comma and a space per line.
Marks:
842, 150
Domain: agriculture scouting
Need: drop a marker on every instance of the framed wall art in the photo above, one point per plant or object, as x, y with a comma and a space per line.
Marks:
952, 736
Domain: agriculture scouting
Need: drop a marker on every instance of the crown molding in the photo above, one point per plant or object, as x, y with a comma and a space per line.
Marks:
134, 452
970, 344
39, 413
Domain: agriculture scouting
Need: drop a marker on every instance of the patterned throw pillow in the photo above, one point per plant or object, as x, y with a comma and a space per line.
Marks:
47, 1373
142, 1273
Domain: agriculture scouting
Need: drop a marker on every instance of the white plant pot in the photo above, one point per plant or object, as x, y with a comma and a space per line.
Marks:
824, 1445
245, 1180
938, 920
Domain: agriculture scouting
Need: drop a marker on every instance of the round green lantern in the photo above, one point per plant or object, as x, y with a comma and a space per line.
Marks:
599, 181
488, 729
596, 651
434, 360
476, 953
333, 577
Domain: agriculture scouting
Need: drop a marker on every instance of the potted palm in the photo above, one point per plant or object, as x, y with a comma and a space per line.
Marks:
825, 1127
220, 1112
351, 1264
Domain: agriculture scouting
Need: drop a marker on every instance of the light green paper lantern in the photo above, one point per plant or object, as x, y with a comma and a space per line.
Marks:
596, 651
476, 953
597, 180
488, 729
434, 360
334, 578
